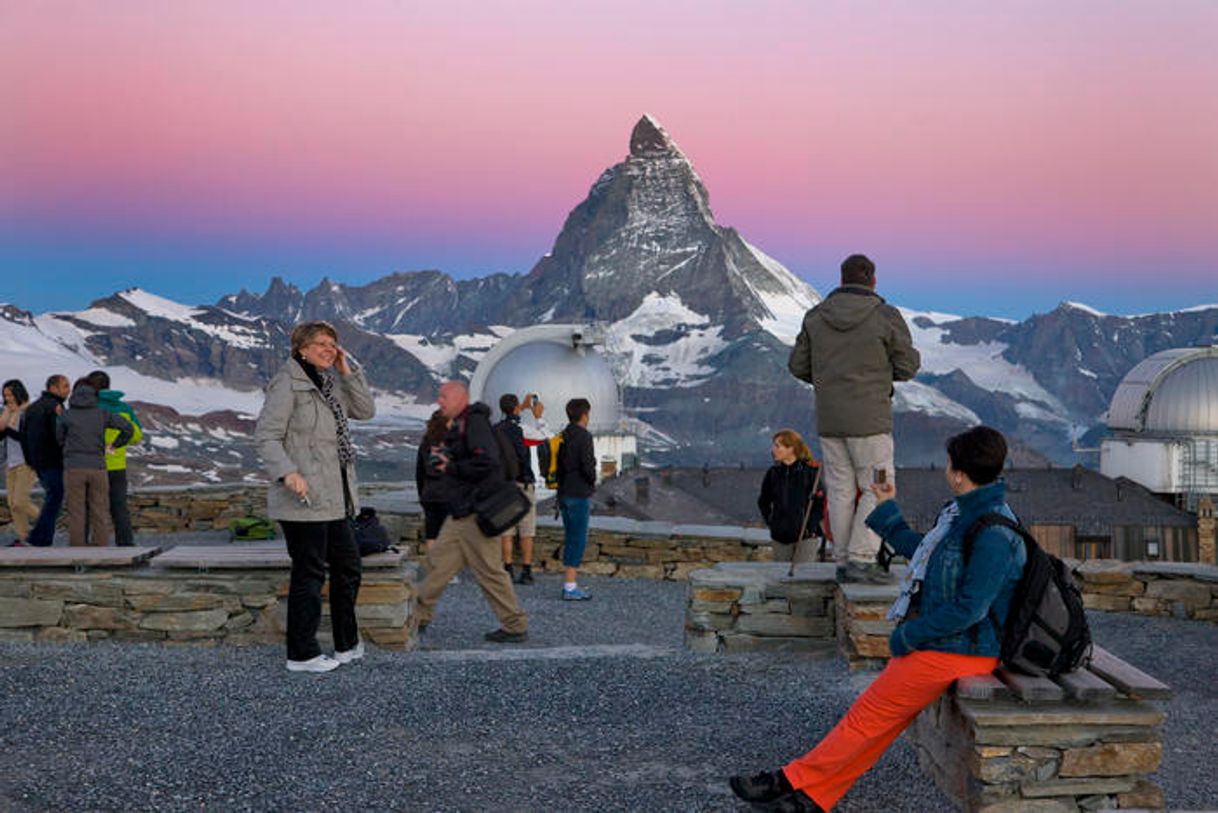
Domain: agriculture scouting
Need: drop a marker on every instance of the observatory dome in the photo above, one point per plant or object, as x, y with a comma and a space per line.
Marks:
557, 363
1173, 392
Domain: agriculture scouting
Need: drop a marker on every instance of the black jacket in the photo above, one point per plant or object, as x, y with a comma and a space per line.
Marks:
39, 444
473, 460
511, 426
784, 498
576, 463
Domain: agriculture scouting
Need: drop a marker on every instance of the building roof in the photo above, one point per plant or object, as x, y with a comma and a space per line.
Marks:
1172, 392
1083, 498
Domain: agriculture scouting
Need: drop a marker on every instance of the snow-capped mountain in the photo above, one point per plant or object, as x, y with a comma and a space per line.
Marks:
698, 325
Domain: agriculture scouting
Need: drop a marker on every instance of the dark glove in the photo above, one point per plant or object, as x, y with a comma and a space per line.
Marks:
884, 556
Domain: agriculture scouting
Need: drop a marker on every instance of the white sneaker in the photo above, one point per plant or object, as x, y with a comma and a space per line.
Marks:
353, 654
322, 663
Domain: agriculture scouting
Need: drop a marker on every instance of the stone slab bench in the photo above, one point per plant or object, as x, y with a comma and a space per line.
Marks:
1178, 589
77, 558
746, 606
233, 594
1005, 743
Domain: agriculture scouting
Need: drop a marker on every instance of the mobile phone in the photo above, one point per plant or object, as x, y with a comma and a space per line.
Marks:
879, 475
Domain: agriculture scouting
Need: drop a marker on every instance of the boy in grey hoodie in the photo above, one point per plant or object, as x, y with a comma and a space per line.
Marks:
81, 431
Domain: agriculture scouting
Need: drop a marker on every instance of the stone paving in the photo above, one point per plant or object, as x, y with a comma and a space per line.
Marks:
602, 709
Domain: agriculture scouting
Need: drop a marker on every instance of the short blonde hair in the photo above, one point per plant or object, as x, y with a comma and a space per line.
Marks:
793, 440
303, 333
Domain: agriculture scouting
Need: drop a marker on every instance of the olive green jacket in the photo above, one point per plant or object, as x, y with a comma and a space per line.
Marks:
851, 348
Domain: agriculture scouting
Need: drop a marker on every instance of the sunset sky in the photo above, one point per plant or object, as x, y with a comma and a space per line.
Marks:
993, 158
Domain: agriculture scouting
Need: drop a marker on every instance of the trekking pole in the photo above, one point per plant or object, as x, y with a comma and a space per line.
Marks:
804, 525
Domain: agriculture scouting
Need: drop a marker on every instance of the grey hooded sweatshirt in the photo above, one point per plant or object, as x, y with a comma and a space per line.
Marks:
851, 348
81, 430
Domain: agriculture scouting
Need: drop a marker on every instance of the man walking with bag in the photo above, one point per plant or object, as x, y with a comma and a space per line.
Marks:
851, 348
470, 466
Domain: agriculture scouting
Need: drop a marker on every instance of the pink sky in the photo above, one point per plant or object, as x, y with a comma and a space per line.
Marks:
1050, 148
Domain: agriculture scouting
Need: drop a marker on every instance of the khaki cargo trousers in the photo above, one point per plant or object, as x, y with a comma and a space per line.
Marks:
460, 544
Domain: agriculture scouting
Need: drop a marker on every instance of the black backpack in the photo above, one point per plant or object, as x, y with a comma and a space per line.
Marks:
507, 452
370, 535
1046, 632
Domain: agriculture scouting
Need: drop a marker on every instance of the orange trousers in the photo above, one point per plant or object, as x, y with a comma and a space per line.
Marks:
907, 685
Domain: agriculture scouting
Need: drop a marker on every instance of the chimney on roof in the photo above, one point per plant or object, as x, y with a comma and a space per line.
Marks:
1120, 491
1076, 477
1207, 532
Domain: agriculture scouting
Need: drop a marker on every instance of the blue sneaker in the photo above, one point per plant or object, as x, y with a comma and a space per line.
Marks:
575, 595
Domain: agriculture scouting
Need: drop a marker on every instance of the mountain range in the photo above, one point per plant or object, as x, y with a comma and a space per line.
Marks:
698, 324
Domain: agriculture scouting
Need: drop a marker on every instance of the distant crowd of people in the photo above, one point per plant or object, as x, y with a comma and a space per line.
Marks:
73, 440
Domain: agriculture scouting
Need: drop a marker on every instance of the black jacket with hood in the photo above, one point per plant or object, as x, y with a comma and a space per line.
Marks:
82, 431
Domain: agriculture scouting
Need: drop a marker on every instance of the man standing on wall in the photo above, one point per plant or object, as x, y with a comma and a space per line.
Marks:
851, 348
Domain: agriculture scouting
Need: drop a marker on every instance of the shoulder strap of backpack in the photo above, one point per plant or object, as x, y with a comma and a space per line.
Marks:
988, 521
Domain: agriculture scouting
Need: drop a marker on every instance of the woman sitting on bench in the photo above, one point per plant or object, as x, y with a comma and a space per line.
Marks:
949, 618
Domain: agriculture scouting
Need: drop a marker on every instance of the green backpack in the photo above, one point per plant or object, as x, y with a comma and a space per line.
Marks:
244, 528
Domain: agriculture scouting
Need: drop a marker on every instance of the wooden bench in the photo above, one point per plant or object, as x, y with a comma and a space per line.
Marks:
1008, 742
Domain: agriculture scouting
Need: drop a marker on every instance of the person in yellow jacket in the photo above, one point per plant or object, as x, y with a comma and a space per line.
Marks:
116, 460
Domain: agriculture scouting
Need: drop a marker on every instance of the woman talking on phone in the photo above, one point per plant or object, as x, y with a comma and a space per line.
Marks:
304, 439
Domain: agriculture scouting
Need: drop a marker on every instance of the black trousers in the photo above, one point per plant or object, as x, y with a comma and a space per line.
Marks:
313, 546
119, 514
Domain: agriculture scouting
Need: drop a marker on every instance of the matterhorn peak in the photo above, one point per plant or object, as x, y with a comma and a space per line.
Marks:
648, 139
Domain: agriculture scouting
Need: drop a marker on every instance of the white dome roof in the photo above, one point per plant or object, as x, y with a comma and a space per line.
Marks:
546, 360
1174, 392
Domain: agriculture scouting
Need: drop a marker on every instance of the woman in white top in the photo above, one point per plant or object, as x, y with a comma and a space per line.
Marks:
19, 476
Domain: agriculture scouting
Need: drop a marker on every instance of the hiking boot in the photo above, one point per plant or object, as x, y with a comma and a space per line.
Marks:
763, 787
511, 571
878, 575
351, 655
853, 573
502, 636
321, 663
794, 802
575, 594
526, 575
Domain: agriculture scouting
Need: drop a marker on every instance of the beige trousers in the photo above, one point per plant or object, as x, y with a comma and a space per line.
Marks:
87, 494
18, 482
849, 465
461, 543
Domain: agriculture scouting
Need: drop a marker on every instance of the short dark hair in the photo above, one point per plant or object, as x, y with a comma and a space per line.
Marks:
508, 403
578, 408
52, 380
858, 270
82, 382
980, 453
100, 380
20, 394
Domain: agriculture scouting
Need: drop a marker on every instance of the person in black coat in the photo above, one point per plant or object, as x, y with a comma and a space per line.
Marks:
791, 491
43, 452
576, 482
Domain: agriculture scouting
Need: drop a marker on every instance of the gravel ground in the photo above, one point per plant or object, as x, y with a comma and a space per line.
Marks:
601, 710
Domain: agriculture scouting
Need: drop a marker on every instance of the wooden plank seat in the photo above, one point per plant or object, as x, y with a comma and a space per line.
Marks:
77, 558
269, 556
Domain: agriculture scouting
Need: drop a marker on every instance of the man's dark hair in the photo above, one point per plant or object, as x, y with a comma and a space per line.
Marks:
508, 403
20, 395
577, 408
99, 380
980, 453
52, 380
858, 270
82, 382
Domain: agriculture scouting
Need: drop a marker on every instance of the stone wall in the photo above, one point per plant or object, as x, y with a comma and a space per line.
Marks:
234, 606
1177, 589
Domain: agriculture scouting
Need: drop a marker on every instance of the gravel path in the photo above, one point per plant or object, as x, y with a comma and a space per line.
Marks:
601, 710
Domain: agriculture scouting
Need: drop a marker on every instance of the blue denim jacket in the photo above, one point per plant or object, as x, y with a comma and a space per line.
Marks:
954, 599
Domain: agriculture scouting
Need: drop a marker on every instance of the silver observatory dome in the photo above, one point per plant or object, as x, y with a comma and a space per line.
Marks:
558, 362
1173, 392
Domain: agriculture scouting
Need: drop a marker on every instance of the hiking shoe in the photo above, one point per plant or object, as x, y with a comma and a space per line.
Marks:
502, 636
794, 802
526, 576
575, 594
322, 663
763, 787
351, 655
853, 573
511, 571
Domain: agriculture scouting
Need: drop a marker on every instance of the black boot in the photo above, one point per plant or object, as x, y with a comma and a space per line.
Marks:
526, 575
763, 787
511, 571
